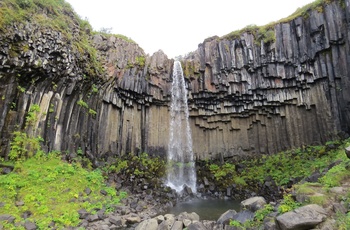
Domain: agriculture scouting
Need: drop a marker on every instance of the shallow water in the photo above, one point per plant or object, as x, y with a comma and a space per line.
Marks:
206, 209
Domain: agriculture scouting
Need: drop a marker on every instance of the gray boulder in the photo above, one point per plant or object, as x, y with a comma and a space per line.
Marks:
196, 226
254, 203
226, 217
178, 225
189, 216
305, 217
166, 224
150, 224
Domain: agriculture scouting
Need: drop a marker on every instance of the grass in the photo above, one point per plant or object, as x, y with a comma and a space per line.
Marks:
51, 190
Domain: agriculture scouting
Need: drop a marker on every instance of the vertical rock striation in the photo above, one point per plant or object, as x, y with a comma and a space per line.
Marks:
245, 96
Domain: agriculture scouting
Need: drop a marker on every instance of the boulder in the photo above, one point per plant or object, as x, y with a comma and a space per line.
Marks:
196, 226
116, 220
226, 217
305, 217
133, 218
243, 216
254, 203
150, 224
166, 224
178, 225
189, 216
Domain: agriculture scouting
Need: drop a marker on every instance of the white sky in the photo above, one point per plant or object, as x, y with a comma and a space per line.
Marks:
177, 27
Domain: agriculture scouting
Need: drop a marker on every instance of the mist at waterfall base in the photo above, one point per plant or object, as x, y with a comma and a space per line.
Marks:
181, 166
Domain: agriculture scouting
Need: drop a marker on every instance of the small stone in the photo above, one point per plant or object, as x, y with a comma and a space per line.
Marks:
83, 214
19, 203
92, 218
133, 219
117, 220
8, 218
103, 192
29, 225
87, 191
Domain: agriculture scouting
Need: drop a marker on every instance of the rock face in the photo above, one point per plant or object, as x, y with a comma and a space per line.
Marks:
245, 97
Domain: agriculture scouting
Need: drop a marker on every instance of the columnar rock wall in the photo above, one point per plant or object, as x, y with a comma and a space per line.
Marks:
252, 97
245, 97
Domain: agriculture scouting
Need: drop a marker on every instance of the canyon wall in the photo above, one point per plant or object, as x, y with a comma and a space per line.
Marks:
246, 97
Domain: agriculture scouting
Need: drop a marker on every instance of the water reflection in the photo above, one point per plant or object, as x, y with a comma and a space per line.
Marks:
210, 209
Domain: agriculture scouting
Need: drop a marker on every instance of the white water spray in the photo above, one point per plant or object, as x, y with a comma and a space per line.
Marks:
181, 166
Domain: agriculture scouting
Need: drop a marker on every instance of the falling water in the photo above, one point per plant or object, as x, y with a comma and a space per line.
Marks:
181, 166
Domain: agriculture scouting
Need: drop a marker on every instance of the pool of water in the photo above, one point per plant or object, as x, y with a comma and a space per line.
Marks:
206, 209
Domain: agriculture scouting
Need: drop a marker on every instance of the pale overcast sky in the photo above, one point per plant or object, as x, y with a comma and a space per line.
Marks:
177, 27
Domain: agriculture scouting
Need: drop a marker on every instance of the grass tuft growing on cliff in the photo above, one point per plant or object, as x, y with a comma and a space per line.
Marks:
47, 191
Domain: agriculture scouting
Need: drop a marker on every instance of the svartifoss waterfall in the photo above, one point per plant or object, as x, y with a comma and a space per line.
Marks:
181, 166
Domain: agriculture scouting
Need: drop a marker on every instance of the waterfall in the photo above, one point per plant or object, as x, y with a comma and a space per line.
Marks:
181, 167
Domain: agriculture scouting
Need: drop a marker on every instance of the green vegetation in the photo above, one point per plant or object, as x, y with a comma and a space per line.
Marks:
298, 163
283, 169
82, 103
94, 89
140, 61
288, 204
32, 115
259, 217
139, 165
51, 190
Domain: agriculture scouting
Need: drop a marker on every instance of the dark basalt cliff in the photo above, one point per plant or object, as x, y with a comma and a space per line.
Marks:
245, 97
